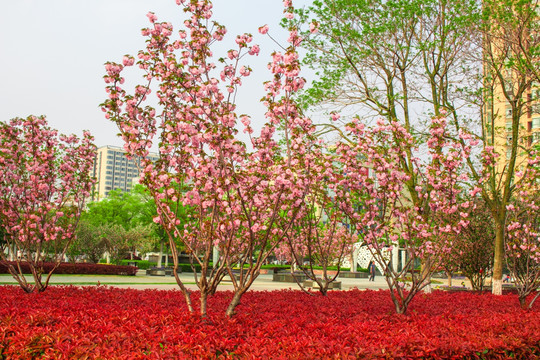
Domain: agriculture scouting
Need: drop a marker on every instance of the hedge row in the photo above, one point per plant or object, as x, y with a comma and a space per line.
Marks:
76, 268
141, 264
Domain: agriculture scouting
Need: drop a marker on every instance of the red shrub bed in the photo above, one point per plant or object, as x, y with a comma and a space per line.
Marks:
76, 268
111, 323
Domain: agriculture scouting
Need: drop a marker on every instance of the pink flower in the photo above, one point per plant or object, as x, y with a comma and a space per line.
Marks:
128, 60
254, 50
152, 17
263, 29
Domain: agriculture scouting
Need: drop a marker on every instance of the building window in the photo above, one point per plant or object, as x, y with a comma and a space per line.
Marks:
508, 86
509, 126
535, 123
508, 113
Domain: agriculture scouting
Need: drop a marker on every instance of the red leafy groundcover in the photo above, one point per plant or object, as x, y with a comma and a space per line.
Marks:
112, 323
76, 268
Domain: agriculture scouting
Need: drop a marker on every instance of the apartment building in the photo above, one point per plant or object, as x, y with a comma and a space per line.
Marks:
113, 170
498, 122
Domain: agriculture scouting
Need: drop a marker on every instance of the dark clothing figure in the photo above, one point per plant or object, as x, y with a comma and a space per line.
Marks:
371, 268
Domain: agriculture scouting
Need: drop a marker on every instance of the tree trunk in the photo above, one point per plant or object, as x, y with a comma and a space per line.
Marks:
449, 279
534, 299
498, 258
204, 303
401, 309
425, 274
160, 260
522, 302
233, 304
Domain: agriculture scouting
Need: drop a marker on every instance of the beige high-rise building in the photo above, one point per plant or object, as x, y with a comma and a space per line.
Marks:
498, 117
113, 170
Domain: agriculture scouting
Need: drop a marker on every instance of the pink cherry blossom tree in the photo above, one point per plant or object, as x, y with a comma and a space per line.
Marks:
242, 199
523, 234
44, 183
386, 217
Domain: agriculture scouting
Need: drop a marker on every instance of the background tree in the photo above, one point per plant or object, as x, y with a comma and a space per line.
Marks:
320, 233
471, 251
130, 214
474, 245
44, 182
123, 244
89, 243
127, 209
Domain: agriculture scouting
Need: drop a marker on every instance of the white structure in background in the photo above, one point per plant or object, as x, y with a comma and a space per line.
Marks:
361, 256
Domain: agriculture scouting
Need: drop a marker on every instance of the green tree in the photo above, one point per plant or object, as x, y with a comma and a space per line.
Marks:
122, 243
408, 60
404, 61
509, 46
126, 209
121, 224
88, 244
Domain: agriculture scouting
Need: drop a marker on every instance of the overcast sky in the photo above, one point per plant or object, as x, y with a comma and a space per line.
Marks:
53, 51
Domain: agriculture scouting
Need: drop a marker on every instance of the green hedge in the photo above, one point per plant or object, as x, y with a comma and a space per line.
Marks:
272, 267
141, 264
187, 267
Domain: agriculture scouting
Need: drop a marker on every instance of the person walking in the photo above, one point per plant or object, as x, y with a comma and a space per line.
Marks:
371, 268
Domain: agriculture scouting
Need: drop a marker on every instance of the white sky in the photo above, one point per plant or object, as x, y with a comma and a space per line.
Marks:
53, 51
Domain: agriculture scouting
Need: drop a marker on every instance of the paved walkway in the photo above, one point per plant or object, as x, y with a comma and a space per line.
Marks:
262, 283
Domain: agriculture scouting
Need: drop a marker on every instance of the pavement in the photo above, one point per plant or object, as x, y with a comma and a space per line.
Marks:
262, 283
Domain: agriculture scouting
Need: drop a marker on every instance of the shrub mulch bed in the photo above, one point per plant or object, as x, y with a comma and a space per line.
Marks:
67, 322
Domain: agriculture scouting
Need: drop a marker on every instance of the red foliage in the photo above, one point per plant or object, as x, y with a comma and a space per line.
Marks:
110, 323
75, 268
